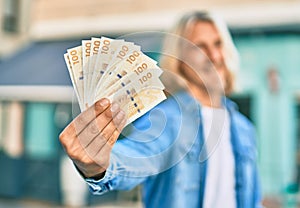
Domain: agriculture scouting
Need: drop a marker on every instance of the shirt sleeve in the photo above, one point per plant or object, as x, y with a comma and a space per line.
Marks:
113, 180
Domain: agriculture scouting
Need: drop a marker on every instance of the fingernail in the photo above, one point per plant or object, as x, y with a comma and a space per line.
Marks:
104, 102
115, 107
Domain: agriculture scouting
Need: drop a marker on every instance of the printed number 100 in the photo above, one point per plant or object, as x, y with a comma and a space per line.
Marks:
145, 78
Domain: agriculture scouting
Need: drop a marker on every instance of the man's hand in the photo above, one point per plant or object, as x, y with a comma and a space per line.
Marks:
89, 138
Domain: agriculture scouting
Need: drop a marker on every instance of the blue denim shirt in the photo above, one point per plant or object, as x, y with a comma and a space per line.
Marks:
164, 151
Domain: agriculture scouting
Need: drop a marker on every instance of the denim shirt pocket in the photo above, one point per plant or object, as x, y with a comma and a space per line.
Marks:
189, 171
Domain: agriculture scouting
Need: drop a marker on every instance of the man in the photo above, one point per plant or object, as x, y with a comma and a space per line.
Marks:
192, 150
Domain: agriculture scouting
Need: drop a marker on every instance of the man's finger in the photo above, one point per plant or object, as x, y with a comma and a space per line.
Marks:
121, 125
114, 123
81, 121
97, 142
95, 146
95, 127
113, 138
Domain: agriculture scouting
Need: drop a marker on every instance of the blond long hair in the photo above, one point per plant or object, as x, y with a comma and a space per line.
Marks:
231, 56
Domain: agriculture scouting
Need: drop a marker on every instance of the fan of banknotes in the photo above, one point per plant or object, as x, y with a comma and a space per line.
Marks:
118, 70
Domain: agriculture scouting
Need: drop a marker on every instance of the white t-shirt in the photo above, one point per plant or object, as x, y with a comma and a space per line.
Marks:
220, 179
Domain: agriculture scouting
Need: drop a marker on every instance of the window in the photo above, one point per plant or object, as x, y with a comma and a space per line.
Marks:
10, 16
244, 103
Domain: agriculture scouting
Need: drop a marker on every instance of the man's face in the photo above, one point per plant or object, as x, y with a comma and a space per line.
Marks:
206, 37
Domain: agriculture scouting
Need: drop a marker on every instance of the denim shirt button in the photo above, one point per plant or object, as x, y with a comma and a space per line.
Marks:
192, 156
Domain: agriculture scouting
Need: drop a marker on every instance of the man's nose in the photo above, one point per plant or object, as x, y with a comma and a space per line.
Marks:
215, 55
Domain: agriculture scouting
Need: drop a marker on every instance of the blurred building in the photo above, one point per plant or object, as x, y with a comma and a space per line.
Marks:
35, 86
14, 21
